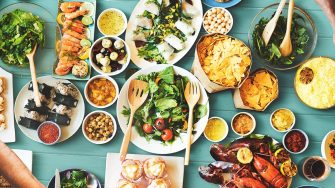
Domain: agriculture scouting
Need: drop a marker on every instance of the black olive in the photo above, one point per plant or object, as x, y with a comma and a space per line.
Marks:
105, 51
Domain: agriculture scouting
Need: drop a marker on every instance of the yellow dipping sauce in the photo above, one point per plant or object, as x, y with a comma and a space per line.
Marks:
216, 129
111, 23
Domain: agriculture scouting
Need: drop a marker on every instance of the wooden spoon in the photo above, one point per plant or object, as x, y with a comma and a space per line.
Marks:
192, 96
30, 57
271, 25
137, 94
286, 45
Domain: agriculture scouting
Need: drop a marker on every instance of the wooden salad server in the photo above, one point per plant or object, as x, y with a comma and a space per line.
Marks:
137, 94
286, 45
30, 57
271, 25
192, 96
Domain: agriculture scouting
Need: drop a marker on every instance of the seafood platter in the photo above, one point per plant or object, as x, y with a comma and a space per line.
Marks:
131, 94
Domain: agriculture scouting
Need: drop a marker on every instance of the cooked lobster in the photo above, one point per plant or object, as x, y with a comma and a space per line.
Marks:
269, 172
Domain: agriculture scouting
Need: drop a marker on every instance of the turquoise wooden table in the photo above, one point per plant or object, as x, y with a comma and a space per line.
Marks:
77, 152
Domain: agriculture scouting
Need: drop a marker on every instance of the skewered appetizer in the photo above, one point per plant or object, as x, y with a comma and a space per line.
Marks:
132, 170
163, 28
154, 168
3, 124
61, 98
74, 17
109, 54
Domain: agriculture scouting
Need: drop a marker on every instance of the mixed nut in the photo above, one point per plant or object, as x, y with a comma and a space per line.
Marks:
99, 127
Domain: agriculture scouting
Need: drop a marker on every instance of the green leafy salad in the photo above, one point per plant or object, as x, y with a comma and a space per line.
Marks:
74, 179
271, 53
20, 31
164, 114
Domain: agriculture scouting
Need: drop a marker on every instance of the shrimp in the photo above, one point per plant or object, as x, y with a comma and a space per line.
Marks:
75, 14
75, 34
69, 48
62, 70
69, 7
74, 26
71, 38
66, 53
70, 43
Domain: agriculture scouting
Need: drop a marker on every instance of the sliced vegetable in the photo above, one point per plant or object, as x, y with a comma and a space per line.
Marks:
288, 168
244, 155
85, 42
87, 20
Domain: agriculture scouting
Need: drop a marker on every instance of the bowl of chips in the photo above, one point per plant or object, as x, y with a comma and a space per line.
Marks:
221, 62
258, 91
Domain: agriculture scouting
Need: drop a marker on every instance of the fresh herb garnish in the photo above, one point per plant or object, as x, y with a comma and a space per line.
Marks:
74, 179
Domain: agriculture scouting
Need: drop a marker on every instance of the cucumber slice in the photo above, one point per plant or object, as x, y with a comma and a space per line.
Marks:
85, 42
87, 20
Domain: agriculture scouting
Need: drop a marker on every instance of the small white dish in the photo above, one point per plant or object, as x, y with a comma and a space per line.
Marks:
108, 78
54, 124
306, 144
293, 123
86, 120
325, 147
224, 10
123, 16
97, 68
225, 125
252, 118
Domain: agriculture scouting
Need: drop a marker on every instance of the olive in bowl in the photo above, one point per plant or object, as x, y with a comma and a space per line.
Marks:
110, 55
99, 127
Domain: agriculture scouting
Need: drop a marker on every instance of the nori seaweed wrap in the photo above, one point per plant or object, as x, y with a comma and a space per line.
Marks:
29, 123
60, 119
31, 106
44, 89
66, 100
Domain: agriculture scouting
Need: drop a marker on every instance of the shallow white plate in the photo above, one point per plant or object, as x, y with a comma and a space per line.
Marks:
325, 147
175, 168
8, 135
26, 157
154, 146
77, 117
142, 63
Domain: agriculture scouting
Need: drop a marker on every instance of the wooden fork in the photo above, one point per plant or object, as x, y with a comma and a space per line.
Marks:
137, 94
192, 96
30, 57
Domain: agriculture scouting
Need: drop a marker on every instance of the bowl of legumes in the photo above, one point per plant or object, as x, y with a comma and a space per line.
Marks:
218, 20
99, 127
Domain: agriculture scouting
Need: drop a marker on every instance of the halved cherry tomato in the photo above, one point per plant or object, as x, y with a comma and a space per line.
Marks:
147, 128
160, 124
167, 135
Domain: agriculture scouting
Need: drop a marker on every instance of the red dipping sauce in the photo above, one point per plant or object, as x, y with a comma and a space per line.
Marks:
48, 133
295, 141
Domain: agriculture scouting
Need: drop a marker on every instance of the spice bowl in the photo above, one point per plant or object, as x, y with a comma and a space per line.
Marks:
295, 141
243, 123
281, 119
49, 132
96, 127
213, 127
93, 96
109, 11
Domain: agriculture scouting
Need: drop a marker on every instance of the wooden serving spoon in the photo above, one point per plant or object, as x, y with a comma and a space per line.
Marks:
271, 25
137, 94
286, 45
30, 57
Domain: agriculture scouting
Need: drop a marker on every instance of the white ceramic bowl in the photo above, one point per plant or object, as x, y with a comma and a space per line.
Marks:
108, 78
97, 68
56, 125
124, 20
306, 145
225, 10
324, 151
225, 125
293, 123
86, 120
253, 120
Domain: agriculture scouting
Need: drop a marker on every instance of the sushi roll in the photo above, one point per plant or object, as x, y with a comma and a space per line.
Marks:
131, 170
31, 106
126, 184
62, 109
184, 27
154, 168
152, 8
165, 50
144, 22
175, 42
35, 116
29, 123
60, 119
66, 100
188, 9
159, 183
66, 89
44, 89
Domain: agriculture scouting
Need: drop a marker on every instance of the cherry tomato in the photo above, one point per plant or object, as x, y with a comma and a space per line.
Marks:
160, 124
147, 128
167, 135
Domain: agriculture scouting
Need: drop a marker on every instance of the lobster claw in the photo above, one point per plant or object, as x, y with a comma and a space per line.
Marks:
215, 172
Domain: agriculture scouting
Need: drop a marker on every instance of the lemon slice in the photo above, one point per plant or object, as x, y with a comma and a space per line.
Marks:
84, 53
288, 168
61, 18
244, 155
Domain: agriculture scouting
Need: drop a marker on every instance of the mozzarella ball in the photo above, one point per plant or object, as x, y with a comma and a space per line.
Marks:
118, 44
106, 69
113, 56
98, 57
105, 61
106, 43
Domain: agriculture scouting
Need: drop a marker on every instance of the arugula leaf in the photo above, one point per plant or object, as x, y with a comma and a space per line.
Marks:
167, 75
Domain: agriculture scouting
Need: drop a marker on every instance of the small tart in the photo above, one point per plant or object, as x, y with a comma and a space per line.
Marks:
126, 184
132, 170
154, 167
159, 183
